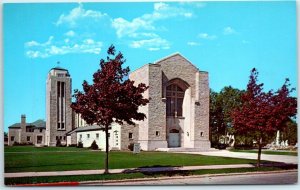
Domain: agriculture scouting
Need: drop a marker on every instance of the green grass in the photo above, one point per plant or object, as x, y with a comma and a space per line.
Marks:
267, 152
34, 180
41, 149
51, 160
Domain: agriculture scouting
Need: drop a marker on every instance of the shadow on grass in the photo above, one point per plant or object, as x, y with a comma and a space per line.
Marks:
154, 169
280, 165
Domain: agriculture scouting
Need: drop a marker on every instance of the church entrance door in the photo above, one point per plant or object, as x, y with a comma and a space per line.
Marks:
174, 140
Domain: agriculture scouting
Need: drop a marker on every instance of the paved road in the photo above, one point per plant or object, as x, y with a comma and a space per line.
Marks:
287, 177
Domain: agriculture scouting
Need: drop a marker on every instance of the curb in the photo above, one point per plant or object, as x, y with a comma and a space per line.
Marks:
180, 177
74, 183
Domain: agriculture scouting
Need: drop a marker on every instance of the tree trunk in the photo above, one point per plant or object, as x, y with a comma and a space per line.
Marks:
106, 150
259, 152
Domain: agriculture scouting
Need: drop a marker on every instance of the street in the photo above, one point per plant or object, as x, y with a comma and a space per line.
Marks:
287, 177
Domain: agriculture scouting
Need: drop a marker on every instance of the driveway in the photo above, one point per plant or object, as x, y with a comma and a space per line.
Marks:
226, 153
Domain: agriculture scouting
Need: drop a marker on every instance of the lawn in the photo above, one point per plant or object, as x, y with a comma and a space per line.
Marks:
63, 159
289, 153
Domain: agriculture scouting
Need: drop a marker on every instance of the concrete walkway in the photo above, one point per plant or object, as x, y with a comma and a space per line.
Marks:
127, 170
225, 153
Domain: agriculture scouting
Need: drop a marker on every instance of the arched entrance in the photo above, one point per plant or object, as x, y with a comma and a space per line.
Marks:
175, 94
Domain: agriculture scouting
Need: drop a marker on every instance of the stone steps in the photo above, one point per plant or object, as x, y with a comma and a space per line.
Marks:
182, 149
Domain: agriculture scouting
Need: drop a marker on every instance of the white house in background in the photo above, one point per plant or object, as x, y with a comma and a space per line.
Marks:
91, 133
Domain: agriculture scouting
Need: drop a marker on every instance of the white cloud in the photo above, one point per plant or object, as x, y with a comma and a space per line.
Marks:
228, 30
77, 14
35, 43
146, 22
193, 3
43, 50
207, 36
153, 44
70, 33
193, 43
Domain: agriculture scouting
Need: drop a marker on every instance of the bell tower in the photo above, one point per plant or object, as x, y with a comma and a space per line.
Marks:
58, 110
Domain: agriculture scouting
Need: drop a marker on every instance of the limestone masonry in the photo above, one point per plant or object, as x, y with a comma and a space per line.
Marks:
177, 113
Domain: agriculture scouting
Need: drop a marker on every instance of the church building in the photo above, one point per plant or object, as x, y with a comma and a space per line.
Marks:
177, 115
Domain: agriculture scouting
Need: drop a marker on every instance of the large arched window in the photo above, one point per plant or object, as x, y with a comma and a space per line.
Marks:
175, 95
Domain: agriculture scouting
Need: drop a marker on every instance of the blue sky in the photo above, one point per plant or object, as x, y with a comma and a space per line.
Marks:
227, 39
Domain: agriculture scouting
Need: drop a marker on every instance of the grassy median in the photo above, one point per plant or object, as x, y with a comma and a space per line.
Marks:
139, 175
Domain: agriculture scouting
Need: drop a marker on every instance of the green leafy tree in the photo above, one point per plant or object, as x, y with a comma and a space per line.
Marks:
221, 106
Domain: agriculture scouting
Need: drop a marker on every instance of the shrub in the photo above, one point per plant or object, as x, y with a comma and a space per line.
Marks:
94, 145
130, 146
58, 143
80, 144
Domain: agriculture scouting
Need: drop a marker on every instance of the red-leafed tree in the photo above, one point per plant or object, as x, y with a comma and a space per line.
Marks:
111, 98
263, 113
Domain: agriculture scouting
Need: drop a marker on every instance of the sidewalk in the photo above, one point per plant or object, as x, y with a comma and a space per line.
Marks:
127, 170
225, 153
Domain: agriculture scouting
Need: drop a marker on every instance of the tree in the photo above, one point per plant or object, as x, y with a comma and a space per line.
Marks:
289, 132
111, 98
263, 113
221, 106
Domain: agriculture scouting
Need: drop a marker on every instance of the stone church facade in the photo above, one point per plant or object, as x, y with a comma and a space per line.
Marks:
177, 114
178, 111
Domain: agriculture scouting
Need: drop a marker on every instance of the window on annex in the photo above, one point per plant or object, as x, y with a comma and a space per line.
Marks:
130, 136
157, 133
12, 138
28, 138
175, 96
97, 135
88, 135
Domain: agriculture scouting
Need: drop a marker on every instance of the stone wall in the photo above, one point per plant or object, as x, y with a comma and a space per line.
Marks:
141, 76
125, 130
157, 110
16, 133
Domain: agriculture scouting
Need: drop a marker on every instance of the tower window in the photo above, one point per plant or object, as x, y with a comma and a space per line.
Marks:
130, 136
201, 134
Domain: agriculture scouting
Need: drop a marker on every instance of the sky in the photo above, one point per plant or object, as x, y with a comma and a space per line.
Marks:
226, 39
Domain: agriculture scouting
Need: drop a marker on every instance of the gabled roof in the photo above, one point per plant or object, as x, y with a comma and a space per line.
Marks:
173, 55
37, 124
15, 126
